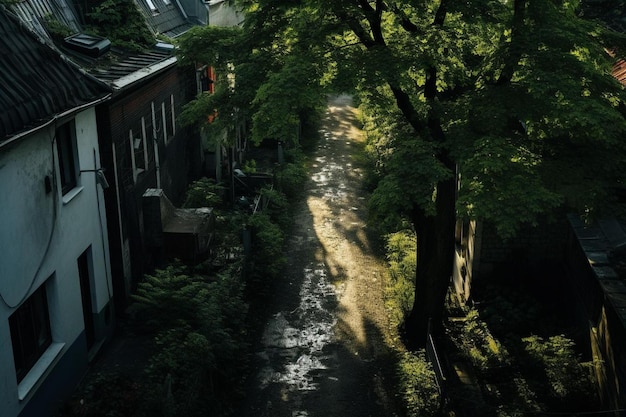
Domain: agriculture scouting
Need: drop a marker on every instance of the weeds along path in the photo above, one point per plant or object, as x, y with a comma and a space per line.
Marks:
323, 351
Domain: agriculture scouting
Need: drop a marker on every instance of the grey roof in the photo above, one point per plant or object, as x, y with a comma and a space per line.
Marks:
36, 83
118, 68
165, 16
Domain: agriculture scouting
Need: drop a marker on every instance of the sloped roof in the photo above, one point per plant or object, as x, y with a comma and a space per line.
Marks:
35, 82
165, 16
118, 68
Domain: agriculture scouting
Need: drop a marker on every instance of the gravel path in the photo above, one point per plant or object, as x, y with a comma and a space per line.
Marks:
323, 351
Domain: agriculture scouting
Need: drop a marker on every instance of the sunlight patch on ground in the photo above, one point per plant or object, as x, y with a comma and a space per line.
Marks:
301, 335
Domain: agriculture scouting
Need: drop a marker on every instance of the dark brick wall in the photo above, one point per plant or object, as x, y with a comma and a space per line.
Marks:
179, 161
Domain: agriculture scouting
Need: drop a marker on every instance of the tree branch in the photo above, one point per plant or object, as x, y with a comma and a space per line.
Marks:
440, 15
514, 52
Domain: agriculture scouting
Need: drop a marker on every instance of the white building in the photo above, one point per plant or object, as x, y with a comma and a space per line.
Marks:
55, 281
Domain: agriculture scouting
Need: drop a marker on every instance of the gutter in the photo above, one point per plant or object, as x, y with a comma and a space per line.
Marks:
129, 79
54, 118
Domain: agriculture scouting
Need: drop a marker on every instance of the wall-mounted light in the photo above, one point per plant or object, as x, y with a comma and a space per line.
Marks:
100, 178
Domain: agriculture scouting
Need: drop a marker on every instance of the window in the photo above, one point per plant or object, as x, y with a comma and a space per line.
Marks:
30, 332
152, 7
205, 78
66, 146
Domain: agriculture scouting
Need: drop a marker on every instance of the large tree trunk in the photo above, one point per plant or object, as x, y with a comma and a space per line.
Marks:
435, 257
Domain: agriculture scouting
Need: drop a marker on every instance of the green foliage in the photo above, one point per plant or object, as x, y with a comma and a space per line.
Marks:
524, 373
567, 380
401, 252
293, 174
249, 166
272, 89
267, 246
55, 28
201, 342
276, 205
417, 385
204, 193
121, 22
106, 394
277, 114
485, 351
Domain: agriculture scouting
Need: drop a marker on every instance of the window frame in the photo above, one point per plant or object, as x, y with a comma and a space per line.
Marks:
33, 312
67, 156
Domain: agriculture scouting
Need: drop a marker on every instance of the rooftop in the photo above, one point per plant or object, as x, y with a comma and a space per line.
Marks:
36, 82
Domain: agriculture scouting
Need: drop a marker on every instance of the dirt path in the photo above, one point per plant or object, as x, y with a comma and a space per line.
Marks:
323, 352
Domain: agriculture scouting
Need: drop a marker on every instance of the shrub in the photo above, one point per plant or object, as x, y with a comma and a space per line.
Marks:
204, 193
401, 256
201, 339
417, 385
267, 245
557, 371
276, 206
292, 175
121, 22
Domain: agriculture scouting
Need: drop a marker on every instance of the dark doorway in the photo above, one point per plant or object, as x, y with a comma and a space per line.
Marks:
84, 273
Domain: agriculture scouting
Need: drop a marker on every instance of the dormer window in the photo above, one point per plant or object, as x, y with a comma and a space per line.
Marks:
152, 7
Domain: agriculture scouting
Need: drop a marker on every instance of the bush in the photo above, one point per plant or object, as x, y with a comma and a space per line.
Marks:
417, 385
267, 247
201, 340
561, 378
292, 175
204, 193
401, 256
277, 207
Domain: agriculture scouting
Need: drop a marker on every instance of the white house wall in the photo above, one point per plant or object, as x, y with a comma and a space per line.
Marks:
42, 234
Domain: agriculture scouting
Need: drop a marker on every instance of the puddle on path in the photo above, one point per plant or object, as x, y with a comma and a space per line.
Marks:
294, 341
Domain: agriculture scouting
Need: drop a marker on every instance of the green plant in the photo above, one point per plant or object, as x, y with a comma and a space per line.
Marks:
554, 360
292, 175
417, 385
267, 246
204, 192
121, 22
55, 28
485, 351
106, 394
401, 257
200, 339
276, 205
249, 166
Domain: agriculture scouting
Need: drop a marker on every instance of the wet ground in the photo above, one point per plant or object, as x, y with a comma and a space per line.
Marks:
323, 353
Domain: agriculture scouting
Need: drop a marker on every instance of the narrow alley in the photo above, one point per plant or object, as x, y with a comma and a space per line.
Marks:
323, 351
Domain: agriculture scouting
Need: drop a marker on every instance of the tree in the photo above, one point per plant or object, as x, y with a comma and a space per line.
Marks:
515, 95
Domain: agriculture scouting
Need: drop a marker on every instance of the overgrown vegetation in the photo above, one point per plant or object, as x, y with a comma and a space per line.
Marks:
197, 317
417, 388
121, 22
197, 323
512, 345
204, 192
55, 28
